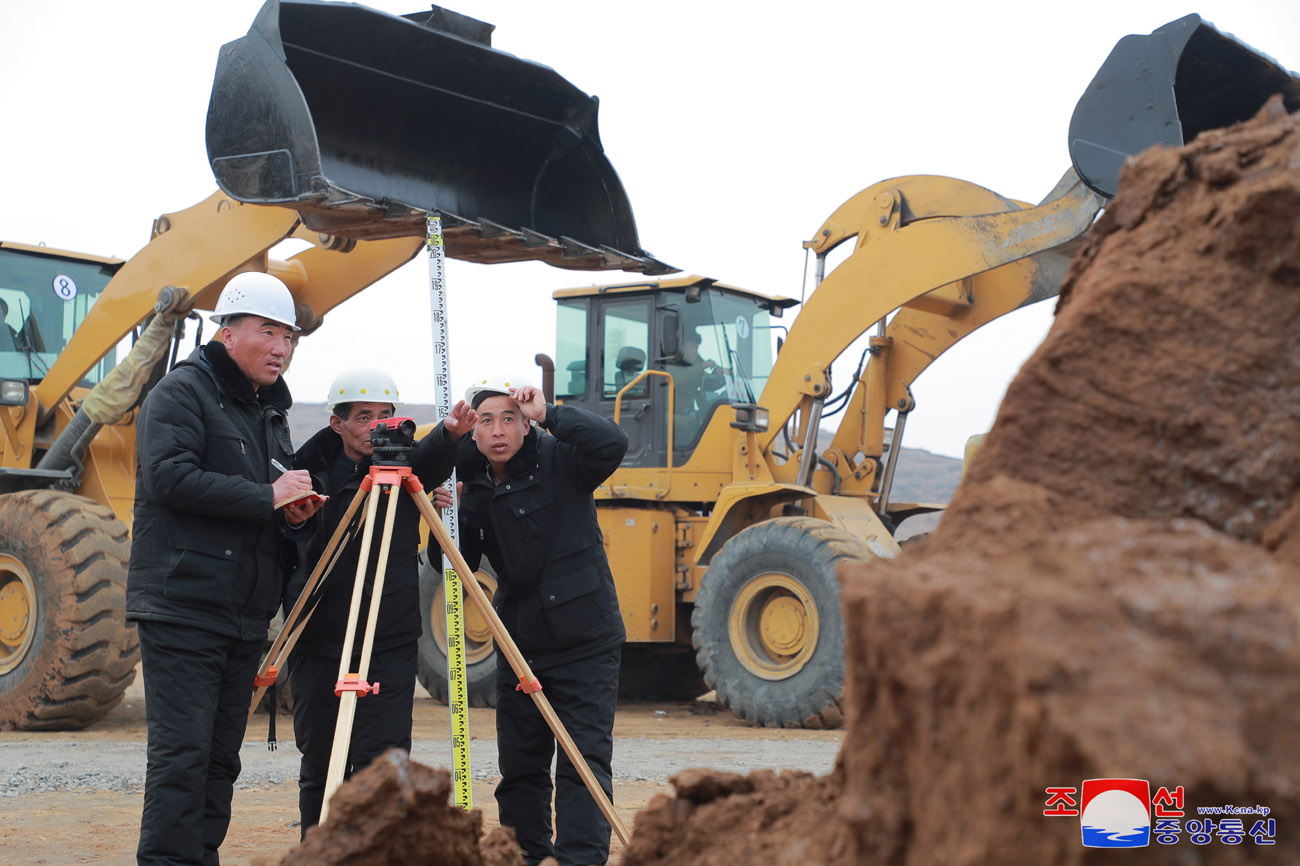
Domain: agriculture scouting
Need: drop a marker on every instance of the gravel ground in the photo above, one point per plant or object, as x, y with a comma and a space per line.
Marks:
57, 763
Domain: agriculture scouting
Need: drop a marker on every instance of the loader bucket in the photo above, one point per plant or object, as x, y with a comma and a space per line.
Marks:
365, 121
1166, 88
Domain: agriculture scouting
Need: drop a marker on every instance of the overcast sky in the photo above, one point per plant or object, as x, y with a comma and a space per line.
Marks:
735, 128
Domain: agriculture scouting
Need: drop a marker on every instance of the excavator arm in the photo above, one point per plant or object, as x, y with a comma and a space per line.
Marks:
926, 327
921, 243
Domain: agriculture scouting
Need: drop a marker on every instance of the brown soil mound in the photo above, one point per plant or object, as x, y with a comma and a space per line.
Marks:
1114, 592
397, 811
720, 819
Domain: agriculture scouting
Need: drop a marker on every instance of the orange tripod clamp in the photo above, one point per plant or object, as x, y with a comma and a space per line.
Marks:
354, 683
260, 680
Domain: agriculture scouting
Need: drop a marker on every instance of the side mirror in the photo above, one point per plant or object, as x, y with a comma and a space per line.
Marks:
670, 342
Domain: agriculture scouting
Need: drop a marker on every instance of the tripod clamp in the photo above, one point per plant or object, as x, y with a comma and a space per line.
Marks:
354, 683
398, 476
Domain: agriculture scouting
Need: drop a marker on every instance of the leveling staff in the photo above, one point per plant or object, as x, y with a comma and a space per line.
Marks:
526, 504
209, 556
339, 458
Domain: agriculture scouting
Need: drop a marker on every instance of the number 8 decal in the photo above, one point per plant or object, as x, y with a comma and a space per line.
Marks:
65, 287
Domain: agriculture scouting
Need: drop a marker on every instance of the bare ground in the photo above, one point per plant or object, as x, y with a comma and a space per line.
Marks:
99, 823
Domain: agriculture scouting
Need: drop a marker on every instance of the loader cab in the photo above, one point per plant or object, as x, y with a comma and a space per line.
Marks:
714, 343
45, 295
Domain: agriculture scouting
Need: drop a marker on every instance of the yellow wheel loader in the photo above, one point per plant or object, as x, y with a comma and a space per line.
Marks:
329, 123
728, 520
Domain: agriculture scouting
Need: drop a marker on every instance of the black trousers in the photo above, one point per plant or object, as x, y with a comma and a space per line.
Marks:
197, 688
583, 695
382, 721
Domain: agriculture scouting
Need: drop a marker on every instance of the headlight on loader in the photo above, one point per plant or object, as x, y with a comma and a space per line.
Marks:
13, 392
750, 417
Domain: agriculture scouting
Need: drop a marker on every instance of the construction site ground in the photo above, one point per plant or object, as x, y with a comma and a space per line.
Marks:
75, 797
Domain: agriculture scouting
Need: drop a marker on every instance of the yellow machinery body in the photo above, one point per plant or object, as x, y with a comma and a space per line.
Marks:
739, 480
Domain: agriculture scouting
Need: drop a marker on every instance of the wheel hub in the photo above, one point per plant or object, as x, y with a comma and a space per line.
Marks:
774, 626
782, 626
478, 634
17, 612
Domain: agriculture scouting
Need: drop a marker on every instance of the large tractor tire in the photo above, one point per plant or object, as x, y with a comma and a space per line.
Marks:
480, 649
658, 672
67, 653
768, 628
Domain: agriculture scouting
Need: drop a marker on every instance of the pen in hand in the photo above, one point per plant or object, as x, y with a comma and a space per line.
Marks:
276, 464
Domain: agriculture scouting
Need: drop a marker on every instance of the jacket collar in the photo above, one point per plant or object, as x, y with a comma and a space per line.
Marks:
213, 357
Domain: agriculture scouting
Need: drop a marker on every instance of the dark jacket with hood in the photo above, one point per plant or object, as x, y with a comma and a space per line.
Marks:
399, 622
555, 592
208, 549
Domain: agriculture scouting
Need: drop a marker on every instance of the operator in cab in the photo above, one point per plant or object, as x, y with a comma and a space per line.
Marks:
210, 552
526, 481
339, 457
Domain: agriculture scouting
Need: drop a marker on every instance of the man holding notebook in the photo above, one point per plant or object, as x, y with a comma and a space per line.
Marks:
209, 556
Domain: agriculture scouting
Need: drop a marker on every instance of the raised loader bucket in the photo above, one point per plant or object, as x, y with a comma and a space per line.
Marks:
1167, 88
364, 121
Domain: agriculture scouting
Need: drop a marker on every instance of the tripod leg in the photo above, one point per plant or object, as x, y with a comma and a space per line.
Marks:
506, 645
284, 640
377, 591
348, 700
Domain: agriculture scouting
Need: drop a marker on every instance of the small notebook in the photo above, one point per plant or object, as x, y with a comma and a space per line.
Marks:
310, 495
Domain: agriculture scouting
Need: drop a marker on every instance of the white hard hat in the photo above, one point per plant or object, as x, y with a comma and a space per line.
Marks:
254, 293
363, 386
493, 386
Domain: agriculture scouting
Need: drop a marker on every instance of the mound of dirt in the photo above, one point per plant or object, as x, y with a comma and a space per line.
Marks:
764, 817
1114, 592
398, 811
1105, 598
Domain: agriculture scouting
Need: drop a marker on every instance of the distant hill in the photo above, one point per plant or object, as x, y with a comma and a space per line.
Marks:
924, 477
921, 476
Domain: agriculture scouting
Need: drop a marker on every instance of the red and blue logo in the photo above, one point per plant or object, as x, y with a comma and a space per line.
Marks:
1116, 813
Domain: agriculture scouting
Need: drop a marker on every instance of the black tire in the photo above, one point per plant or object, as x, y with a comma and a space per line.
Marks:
659, 672
67, 653
480, 649
768, 628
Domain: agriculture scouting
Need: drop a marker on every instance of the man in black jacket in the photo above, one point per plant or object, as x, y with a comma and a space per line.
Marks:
209, 555
339, 458
527, 505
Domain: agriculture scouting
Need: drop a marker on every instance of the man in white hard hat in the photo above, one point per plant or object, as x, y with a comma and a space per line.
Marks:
210, 553
527, 505
339, 459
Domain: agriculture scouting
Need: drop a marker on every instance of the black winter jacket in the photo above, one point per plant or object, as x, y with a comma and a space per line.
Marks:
555, 592
208, 549
399, 623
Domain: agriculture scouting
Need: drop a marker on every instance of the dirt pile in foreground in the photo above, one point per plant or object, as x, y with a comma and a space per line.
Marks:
398, 811
1114, 592
720, 819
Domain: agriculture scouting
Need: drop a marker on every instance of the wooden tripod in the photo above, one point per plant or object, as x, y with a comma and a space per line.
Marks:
353, 685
